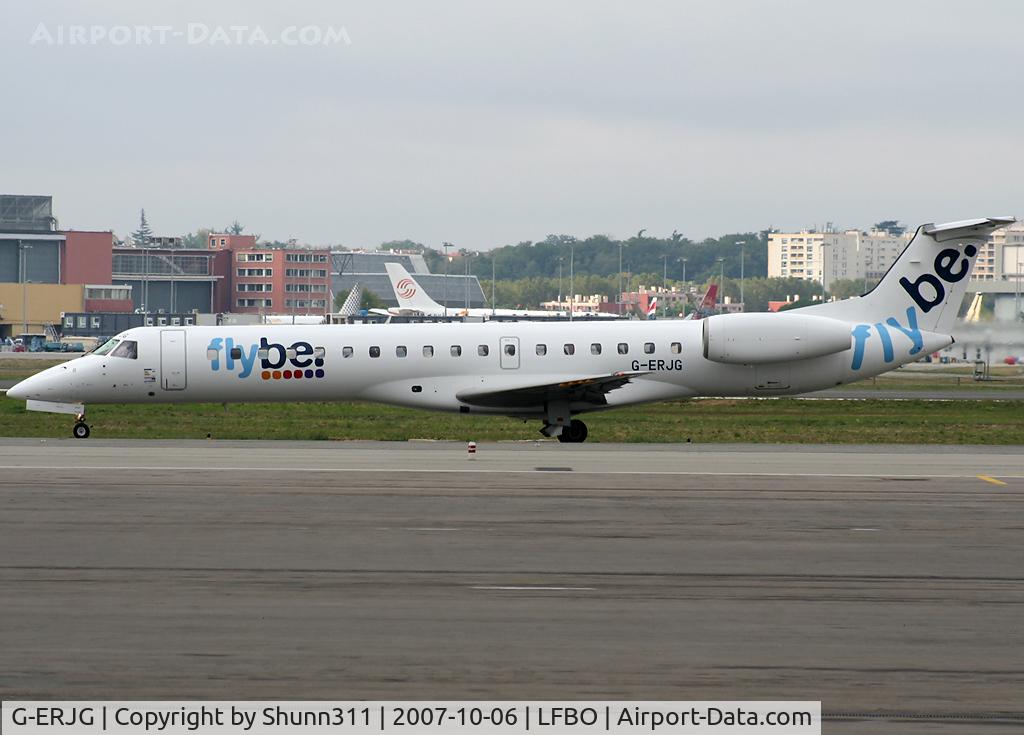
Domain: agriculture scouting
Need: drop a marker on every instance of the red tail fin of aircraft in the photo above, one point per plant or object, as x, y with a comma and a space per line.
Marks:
706, 307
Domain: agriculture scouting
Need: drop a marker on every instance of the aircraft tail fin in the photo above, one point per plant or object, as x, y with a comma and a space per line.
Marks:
706, 307
928, 279
408, 291
352, 301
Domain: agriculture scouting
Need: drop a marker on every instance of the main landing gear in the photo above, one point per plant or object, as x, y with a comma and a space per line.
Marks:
574, 433
80, 429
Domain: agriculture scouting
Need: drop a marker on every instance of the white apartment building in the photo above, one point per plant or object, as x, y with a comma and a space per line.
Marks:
825, 257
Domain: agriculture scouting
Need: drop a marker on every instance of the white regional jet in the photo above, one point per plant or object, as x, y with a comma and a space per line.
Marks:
552, 371
413, 300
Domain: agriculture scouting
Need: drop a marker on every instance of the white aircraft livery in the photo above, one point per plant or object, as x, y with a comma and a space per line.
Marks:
414, 300
552, 372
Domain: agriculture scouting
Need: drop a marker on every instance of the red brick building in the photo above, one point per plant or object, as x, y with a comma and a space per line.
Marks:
86, 256
276, 280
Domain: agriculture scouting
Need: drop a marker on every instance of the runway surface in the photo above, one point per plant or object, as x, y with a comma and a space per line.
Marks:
911, 394
887, 582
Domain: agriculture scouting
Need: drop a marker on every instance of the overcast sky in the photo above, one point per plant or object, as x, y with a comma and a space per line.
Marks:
484, 124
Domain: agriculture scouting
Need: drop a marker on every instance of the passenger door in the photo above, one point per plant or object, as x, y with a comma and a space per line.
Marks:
509, 347
172, 359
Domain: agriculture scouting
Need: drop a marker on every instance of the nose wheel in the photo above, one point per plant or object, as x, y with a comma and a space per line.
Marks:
80, 429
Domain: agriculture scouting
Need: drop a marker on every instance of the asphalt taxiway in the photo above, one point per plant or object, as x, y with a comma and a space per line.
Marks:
885, 581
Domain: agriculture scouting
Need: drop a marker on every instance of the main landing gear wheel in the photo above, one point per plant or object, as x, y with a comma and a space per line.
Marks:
574, 433
80, 430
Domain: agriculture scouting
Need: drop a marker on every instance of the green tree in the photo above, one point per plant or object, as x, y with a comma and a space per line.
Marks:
892, 226
200, 239
370, 300
235, 228
844, 288
142, 235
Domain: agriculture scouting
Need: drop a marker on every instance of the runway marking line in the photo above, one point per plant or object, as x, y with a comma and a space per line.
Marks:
532, 588
509, 471
990, 479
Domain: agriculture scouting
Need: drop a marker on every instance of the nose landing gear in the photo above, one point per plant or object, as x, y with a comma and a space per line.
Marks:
80, 429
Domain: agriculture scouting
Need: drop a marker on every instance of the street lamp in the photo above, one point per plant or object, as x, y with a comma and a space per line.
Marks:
560, 259
743, 253
447, 260
571, 252
467, 256
721, 281
683, 261
619, 299
22, 247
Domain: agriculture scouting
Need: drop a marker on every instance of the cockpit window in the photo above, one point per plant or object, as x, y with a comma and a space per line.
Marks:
128, 348
106, 347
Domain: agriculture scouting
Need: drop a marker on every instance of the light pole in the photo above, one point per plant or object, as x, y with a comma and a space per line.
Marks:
1017, 316
683, 261
560, 259
492, 283
743, 253
22, 247
446, 245
619, 299
145, 284
721, 282
664, 272
571, 281
467, 256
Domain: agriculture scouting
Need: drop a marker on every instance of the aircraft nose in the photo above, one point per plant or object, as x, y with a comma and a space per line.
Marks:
40, 386
19, 391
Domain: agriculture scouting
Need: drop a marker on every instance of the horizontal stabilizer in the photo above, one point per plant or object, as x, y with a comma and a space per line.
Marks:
968, 229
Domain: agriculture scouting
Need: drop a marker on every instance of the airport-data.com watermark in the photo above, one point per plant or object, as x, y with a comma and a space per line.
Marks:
189, 34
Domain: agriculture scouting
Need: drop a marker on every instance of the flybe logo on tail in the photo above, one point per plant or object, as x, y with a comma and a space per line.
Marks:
949, 268
944, 263
275, 361
862, 332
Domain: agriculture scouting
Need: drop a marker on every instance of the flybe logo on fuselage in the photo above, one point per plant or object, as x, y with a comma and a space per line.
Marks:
943, 266
274, 361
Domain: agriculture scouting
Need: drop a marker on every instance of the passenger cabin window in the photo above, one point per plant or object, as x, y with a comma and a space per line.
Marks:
676, 348
347, 352
375, 351
482, 350
510, 350
236, 353
128, 348
648, 348
319, 352
595, 348
542, 350
401, 351
290, 353
623, 348
569, 348
428, 350
456, 350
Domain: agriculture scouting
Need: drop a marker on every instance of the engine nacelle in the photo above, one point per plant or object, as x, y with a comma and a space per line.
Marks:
752, 339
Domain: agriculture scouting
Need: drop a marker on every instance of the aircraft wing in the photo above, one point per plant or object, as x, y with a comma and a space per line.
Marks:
582, 390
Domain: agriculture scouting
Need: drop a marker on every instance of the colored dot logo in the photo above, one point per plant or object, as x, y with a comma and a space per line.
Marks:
292, 374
